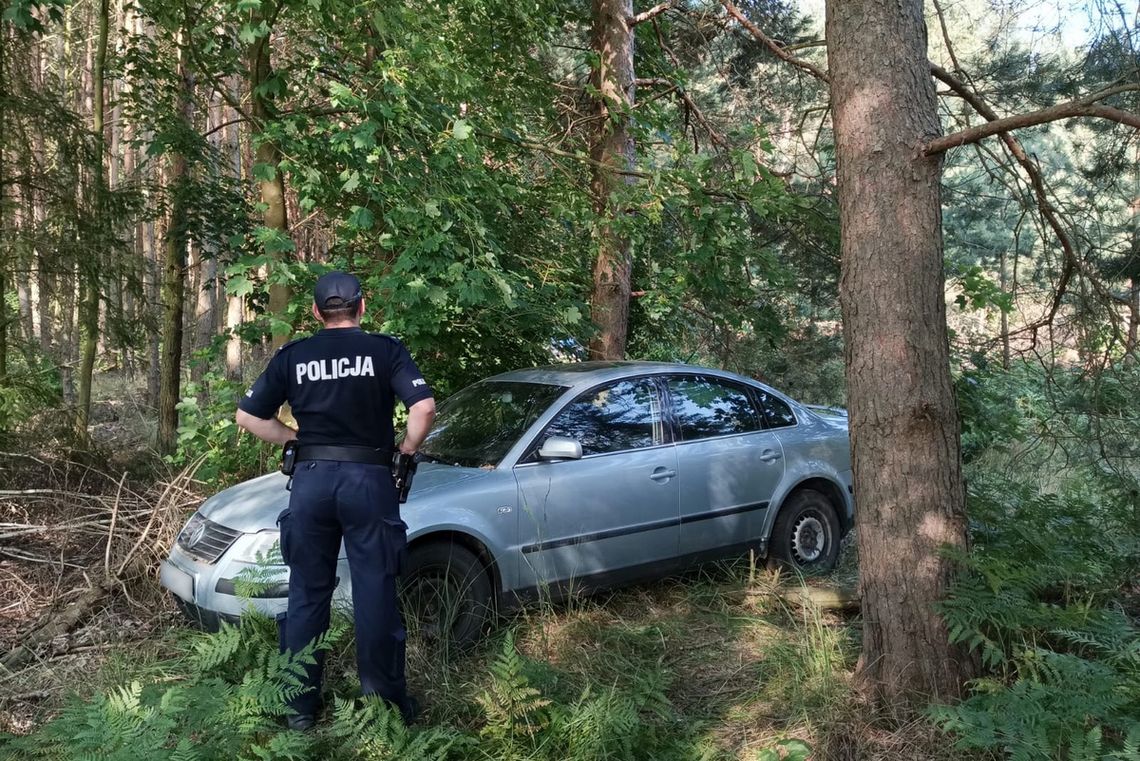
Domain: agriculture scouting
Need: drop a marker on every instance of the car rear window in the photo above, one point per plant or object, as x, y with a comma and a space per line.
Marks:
707, 407
779, 414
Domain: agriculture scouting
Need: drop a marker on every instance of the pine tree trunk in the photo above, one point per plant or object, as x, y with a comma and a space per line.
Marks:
205, 312
235, 307
1005, 352
233, 343
153, 263
613, 150
25, 290
6, 237
174, 273
903, 418
90, 268
272, 191
1133, 320
43, 301
67, 337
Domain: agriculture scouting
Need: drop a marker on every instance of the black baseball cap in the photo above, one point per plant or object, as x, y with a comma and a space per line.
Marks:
336, 289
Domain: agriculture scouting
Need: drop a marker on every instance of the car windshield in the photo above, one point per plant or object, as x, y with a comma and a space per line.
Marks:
477, 426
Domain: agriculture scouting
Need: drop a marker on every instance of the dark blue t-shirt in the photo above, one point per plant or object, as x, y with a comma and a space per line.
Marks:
341, 384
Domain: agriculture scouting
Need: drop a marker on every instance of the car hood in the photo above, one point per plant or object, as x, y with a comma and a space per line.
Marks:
255, 504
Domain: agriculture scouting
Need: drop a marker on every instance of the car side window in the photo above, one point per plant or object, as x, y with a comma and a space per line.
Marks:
779, 414
707, 407
624, 415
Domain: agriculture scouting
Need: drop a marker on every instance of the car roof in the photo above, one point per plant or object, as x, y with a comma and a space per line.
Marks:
573, 374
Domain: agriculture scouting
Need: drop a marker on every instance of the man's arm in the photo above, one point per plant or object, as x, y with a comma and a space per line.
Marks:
420, 417
273, 430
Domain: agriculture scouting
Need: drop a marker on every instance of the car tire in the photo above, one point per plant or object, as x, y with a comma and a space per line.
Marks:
806, 535
446, 595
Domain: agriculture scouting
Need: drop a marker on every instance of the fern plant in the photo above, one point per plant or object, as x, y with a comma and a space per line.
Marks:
226, 706
515, 712
1037, 602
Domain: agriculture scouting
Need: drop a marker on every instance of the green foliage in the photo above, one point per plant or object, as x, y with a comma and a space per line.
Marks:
31, 385
998, 408
515, 711
1037, 601
370, 729
225, 703
224, 700
207, 433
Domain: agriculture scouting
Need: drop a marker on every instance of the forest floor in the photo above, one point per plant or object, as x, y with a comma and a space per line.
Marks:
741, 666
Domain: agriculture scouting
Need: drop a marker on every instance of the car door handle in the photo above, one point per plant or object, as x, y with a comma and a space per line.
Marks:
769, 455
661, 474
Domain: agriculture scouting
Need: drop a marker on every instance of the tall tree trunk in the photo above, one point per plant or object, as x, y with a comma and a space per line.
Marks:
152, 263
174, 271
903, 418
67, 330
1131, 346
272, 191
6, 236
1005, 354
614, 152
235, 306
205, 312
90, 269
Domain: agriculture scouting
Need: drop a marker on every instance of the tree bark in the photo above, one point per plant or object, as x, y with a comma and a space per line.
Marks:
613, 151
152, 263
90, 269
903, 419
1005, 354
205, 313
6, 237
235, 307
266, 152
174, 272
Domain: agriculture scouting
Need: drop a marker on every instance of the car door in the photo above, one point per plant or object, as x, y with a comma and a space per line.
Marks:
729, 465
615, 508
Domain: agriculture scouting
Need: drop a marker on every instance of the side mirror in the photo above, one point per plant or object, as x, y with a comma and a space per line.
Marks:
560, 448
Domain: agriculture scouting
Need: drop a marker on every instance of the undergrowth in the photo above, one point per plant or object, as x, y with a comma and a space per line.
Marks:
225, 698
1044, 603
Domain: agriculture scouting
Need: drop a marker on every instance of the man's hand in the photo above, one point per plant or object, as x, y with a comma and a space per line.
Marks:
271, 430
420, 417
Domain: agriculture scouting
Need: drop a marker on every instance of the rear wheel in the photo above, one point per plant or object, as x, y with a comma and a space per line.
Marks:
446, 594
806, 534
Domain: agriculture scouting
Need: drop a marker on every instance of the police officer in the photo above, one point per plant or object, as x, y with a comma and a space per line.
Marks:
341, 384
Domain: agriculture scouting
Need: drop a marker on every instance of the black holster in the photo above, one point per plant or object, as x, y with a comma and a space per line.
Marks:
289, 457
403, 470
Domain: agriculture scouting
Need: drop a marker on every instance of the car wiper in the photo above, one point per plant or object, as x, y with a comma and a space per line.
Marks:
425, 457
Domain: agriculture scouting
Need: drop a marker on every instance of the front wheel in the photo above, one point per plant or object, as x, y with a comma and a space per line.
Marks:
806, 535
446, 594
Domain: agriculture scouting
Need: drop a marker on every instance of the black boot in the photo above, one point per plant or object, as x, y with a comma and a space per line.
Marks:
301, 722
409, 709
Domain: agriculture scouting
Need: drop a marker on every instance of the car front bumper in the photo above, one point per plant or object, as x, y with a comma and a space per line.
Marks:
207, 591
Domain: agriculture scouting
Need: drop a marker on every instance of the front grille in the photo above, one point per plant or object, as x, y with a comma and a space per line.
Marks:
205, 539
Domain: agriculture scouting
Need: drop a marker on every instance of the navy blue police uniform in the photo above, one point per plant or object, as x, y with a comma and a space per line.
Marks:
341, 384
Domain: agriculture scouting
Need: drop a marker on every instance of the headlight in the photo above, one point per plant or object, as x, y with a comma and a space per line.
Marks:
262, 548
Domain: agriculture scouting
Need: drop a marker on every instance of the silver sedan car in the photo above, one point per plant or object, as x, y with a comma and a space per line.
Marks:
540, 482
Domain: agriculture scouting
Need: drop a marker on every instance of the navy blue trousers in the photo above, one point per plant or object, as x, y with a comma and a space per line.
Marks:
358, 502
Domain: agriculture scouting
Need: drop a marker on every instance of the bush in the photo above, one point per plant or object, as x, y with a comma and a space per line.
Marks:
1039, 602
207, 432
